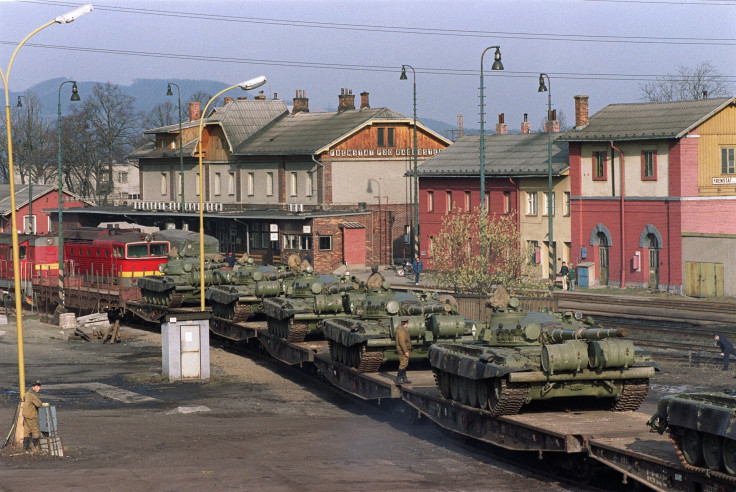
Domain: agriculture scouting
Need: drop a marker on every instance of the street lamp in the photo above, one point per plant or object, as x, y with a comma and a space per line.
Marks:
246, 86
30, 150
497, 65
62, 19
551, 263
414, 151
181, 155
75, 97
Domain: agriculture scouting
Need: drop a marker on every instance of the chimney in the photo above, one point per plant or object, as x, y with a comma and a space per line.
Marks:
275, 96
525, 126
555, 123
194, 111
301, 103
346, 100
501, 127
261, 96
364, 104
228, 100
705, 94
581, 112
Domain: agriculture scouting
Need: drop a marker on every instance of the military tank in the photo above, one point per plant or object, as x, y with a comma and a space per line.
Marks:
702, 427
368, 341
180, 277
311, 299
518, 357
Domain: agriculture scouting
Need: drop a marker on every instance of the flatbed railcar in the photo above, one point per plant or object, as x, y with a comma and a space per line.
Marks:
581, 442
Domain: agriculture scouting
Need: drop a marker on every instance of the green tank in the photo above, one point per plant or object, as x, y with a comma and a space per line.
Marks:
367, 341
702, 427
311, 299
518, 357
179, 281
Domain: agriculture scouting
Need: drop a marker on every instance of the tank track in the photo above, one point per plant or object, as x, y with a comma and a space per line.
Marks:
242, 312
677, 443
513, 396
633, 394
370, 360
176, 300
173, 300
295, 332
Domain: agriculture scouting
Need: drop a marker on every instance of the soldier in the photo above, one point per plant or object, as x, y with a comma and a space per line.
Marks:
571, 277
403, 347
375, 281
726, 348
31, 403
230, 260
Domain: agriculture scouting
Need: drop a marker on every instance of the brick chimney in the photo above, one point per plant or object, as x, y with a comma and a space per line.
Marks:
501, 127
525, 125
581, 112
301, 103
346, 100
261, 96
555, 123
364, 104
194, 111
228, 100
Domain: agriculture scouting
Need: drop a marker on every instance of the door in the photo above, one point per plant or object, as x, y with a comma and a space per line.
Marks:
603, 258
703, 279
190, 353
653, 262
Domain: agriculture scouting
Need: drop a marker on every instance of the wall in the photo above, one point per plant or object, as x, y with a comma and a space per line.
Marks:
715, 133
713, 249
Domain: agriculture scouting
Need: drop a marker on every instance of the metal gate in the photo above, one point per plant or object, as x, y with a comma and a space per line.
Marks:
703, 279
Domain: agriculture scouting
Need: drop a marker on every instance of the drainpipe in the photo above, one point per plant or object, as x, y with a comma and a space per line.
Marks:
322, 195
623, 222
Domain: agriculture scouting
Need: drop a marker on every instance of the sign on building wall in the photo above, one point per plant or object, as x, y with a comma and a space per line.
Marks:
724, 181
380, 152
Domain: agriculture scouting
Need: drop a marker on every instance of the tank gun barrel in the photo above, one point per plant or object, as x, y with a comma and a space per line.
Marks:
337, 288
587, 334
279, 275
429, 308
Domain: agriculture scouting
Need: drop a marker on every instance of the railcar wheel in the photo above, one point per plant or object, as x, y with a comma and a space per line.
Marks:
454, 387
463, 389
712, 453
482, 389
472, 392
729, 455
692, 448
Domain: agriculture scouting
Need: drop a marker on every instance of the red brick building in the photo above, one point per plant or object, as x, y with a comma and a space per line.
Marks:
45, 197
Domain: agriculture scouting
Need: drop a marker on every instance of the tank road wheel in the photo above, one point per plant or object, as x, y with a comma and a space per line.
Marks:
482, 392
729, 455
692, 449
463, 387
445, 384
472, 392
454, 387
712, 453
333, 351
505, 398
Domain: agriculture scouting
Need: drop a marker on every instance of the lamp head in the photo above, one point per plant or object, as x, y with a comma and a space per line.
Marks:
403, 73
253, 83
542, 87
75, 92
369, 189
168, 91
20, 104
71, 16
497, 65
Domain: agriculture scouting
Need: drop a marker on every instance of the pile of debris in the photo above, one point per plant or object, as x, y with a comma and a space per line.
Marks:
95, 327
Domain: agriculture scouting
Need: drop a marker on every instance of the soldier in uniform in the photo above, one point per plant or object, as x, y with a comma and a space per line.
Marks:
31, 403
375, 281
403, 347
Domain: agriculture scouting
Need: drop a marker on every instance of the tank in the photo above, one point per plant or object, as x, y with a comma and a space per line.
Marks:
311, 299
180, 280
518, 357
368, 340
702, 427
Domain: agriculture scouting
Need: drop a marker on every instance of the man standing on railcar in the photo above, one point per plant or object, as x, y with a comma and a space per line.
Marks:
403, 347
726, 348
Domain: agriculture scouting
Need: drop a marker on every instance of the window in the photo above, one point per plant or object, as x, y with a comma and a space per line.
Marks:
265, 239
197, 187
467, 201
448, 204
310, 183
290, 241
164, 184
566, 205
218, 183
727, 161
231, 183
269, 184
430, 201
294, 181
390, 137
305, 242
380, 137
251, 184
325, 243
648, 165
533, 252
546, 204
122, 177
181, 183
507, 202
255, 240
487, 202
531, 203
600, 169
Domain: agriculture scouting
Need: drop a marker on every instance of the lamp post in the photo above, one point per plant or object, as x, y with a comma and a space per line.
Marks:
551, 263
62, 19
29, 142
75, 97
369, 189
246, 86
181, 155
497, 65
414, 152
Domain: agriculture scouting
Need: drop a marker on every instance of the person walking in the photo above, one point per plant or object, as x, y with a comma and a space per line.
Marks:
31, 403
563, 273
726, 348
571, 277
417, 265
403, 347
375, 281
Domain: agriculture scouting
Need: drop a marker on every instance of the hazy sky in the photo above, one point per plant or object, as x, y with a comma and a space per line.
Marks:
602, 48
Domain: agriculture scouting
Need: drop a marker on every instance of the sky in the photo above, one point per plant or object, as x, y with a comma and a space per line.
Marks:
605, 49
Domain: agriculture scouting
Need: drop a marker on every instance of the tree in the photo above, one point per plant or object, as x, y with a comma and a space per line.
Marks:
203, 98
687, 83
162, 114
475, 251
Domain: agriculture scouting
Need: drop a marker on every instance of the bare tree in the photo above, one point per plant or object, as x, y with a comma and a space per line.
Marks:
687, 83
162, 114
203, 98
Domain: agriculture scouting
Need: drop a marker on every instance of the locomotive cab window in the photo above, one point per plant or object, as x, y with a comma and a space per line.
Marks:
159, 249
118, 252
137, 250
22, 252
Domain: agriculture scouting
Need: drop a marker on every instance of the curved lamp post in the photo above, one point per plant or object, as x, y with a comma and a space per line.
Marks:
181, 155
30, 150
552, 263
75, 97
246, 86
497, 65
62, 19
414, 151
